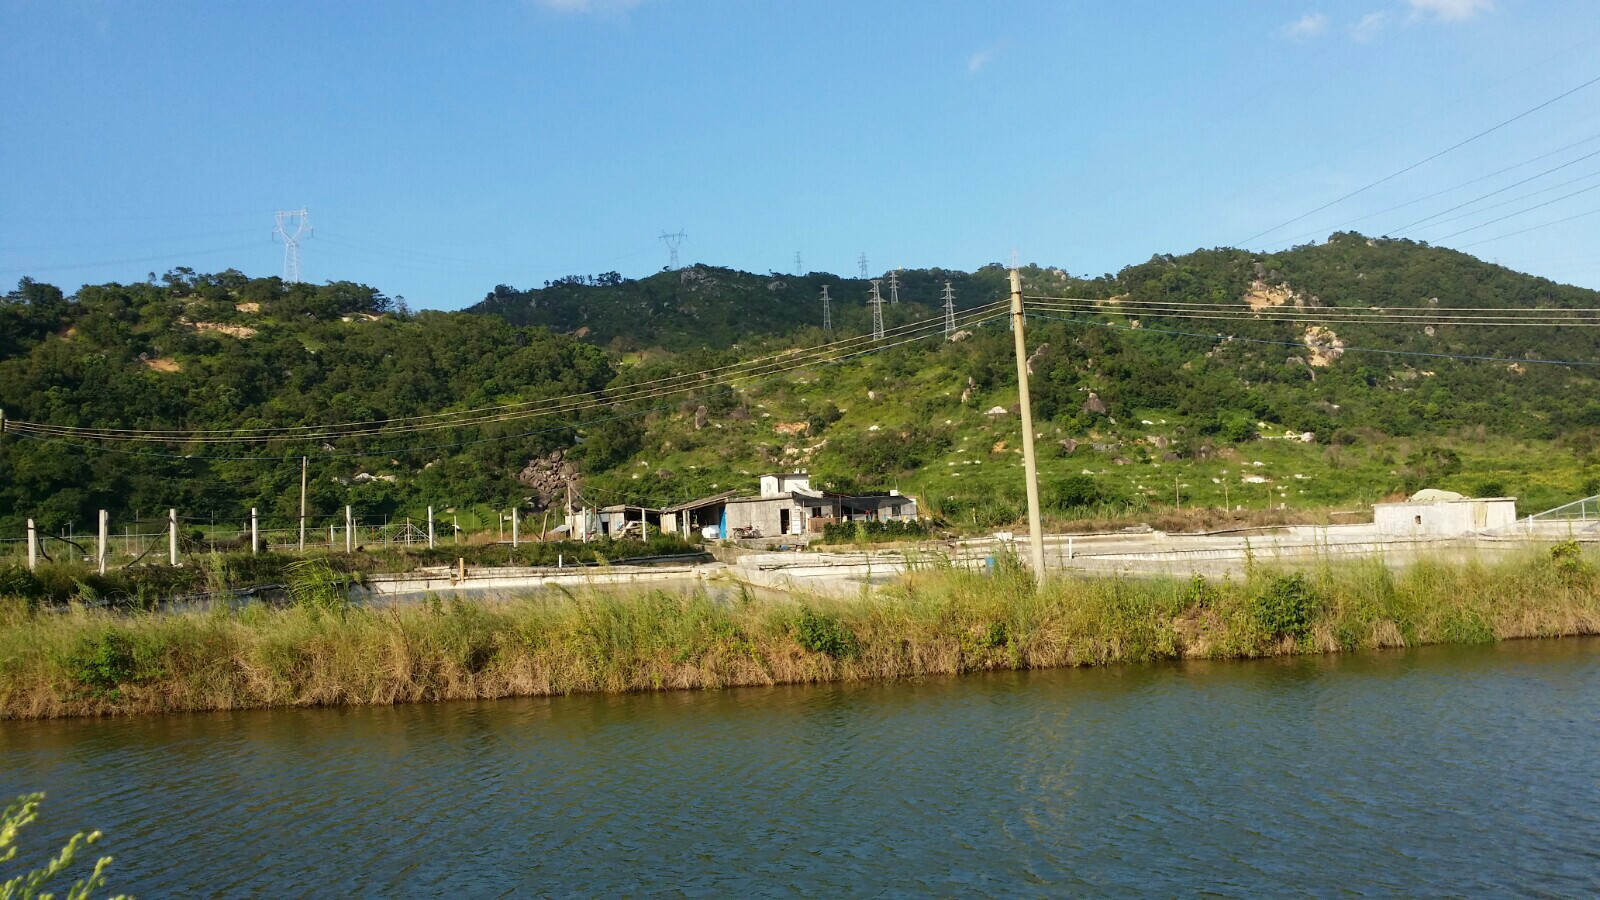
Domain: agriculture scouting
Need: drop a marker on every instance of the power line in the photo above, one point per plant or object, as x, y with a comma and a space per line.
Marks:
1532, 228
1449, 149
1519, 212
1314, 317
1508, 187
973, 319
1520, 197
1348, 349
772, 364
1455, 187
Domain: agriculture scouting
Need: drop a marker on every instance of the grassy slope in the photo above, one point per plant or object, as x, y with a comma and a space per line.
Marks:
974, 485
933, 622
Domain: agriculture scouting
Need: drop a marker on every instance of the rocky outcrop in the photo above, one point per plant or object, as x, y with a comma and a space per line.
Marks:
1094, 404
548, 476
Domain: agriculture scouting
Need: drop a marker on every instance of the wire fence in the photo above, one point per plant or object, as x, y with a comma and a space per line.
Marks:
147, 541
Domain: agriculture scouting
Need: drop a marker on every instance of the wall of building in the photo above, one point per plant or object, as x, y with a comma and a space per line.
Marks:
1443, 518
767, 515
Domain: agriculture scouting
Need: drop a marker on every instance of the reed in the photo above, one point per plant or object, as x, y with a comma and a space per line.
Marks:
934, 621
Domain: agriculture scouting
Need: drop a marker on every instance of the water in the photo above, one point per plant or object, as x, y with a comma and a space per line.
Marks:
1428, 773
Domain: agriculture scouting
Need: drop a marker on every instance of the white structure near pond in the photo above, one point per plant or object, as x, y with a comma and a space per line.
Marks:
1443, 514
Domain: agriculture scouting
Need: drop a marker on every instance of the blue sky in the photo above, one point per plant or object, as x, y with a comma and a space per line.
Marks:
444, 148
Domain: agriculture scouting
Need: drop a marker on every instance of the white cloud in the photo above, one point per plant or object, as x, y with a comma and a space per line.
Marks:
580, 7
977, 61
1450, 10
1369, 26
1307, 26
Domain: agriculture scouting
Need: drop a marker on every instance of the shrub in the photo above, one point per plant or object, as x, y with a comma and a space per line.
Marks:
17, 581
104, 662
821, 633
1567, 557
875, 531
1284, 605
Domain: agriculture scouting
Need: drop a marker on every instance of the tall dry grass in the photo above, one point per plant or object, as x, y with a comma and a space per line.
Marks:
936, 620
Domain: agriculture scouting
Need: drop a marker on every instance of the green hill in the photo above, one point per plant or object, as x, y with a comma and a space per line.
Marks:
1192, 409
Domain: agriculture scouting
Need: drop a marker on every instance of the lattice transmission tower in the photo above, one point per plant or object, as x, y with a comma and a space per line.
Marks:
863, 262
827, 310
300, 221
797, 269
949, 310
877, 311
673, 242
894, 288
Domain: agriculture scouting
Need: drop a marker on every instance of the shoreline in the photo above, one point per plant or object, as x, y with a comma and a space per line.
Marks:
85, 662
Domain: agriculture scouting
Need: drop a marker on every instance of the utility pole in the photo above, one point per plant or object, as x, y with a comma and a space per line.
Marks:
33, 546
673, 241
863, 262
349, 530
894, 288
255, 533
877, 311
300, 221
1030, 464
827, 311
172, 537
430, 528
949, 310
302, 504
102, 545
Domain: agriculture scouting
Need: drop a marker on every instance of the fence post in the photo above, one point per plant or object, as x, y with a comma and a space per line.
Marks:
172, 537
33, 546
430, 528
349, 530
102, 545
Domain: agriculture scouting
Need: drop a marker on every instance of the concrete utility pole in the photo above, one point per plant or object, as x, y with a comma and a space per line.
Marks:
827, 310
102, 545
172, 537
1030, 464
515, 515
430, 528
33, 546
349, 530
302, 504
877, 311
255, 532
949, 310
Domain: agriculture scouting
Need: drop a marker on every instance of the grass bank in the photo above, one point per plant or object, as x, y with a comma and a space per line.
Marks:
320, 652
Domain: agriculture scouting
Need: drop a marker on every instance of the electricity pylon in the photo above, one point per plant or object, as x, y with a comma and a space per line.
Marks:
301, 221
827, 311
673, 241
877, 311
949, 310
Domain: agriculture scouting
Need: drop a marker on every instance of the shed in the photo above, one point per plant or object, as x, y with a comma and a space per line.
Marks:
1443, 514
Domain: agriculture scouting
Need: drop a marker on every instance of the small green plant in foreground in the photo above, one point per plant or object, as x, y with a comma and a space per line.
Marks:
31, 884
1284, 605
821, 633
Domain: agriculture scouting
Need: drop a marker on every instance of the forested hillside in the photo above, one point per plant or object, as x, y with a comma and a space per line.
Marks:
1146, 396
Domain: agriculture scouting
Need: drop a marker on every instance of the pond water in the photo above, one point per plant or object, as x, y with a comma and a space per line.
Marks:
1437, 772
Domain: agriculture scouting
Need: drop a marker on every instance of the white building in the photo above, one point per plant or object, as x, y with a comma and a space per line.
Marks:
1443, 514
